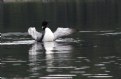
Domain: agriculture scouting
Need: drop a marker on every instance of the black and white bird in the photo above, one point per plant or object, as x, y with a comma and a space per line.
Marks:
47, 35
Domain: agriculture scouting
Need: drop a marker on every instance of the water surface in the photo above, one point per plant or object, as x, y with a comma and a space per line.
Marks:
87, 55
93, 52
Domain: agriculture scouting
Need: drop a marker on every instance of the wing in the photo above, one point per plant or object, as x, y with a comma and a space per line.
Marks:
35, 35
60, 32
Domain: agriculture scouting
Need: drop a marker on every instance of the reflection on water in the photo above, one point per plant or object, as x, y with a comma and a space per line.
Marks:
92, 53
49, 54
88, 54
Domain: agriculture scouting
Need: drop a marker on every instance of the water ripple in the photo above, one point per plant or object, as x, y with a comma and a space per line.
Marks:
55, 77
96, 31
115, 33
14, 34
18, 42
100, 76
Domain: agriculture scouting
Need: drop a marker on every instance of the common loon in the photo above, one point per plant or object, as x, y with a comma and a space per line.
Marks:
47, 34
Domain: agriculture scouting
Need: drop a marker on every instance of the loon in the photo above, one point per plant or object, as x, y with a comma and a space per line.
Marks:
47, 35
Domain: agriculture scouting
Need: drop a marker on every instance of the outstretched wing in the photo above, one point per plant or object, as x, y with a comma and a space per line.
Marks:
60, 32
35, 35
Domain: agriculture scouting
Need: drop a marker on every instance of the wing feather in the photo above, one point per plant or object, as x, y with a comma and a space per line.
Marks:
61, 32
35, 35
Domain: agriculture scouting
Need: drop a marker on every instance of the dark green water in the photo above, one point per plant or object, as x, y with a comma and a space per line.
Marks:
82, 14
87, 55
92, 52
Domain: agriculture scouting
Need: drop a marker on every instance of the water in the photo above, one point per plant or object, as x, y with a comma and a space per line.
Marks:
81, 14
87, 55
92, 52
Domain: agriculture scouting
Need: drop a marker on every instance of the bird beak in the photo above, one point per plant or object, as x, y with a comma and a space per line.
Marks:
42, 27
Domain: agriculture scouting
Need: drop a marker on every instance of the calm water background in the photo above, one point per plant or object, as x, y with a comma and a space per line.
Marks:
93, 52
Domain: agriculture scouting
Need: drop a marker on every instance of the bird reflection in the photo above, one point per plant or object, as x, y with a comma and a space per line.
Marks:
43, 56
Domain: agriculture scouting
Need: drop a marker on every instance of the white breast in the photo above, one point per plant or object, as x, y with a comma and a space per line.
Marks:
49, 36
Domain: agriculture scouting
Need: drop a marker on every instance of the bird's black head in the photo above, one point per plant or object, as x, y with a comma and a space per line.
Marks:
44, 24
